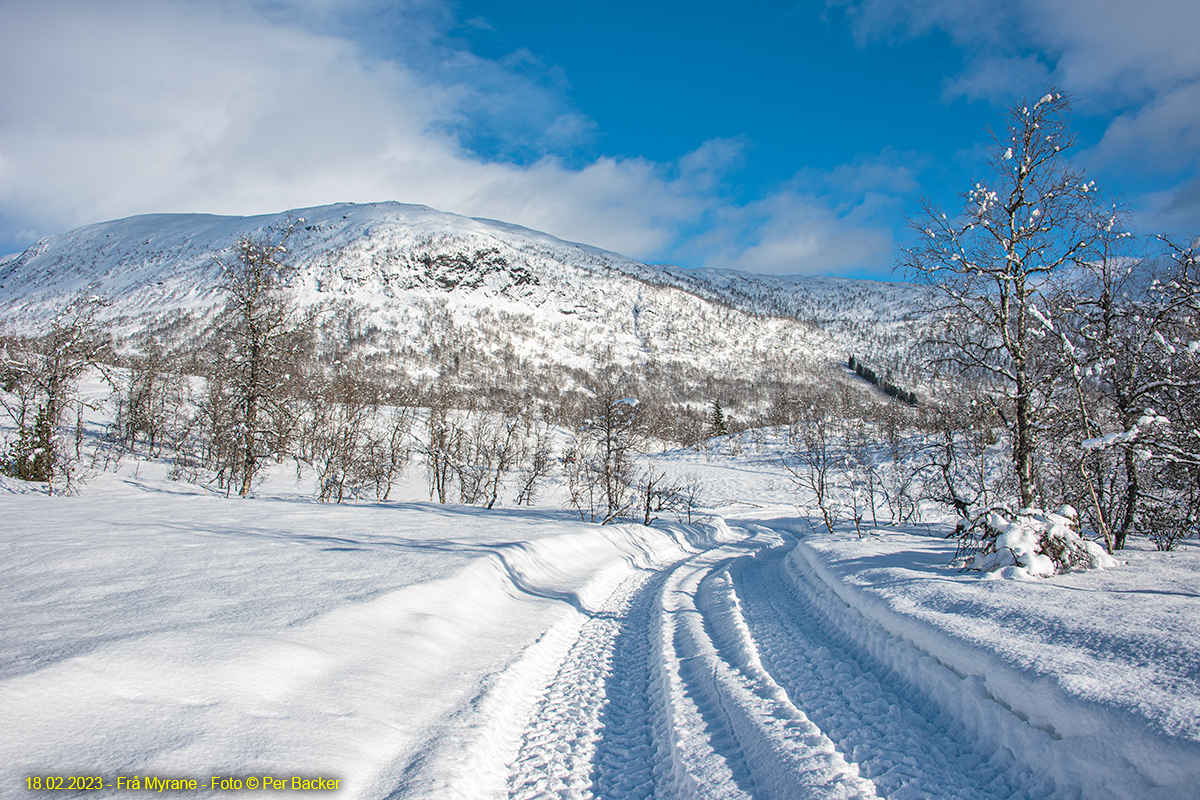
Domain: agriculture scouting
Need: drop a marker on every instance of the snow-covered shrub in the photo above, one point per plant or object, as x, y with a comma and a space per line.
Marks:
1039, 543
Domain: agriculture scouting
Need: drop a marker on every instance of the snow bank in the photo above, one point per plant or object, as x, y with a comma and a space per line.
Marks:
1092, 679
150, 629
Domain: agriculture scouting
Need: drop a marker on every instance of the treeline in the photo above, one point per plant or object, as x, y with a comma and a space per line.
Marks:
1063, 369
890, 389
269, 383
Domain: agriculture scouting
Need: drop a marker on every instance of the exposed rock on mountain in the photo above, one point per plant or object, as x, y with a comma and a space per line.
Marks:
436, 292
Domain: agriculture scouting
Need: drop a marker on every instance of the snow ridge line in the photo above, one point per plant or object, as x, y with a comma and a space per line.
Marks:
1084, 749
540, 724
468, 755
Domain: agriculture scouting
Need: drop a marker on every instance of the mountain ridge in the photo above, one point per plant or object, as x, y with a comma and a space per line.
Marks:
418, 286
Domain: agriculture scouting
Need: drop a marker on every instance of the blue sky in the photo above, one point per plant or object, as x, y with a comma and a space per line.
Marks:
776, 137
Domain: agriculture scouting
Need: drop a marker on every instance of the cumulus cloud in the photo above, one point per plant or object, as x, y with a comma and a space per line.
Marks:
138, 106
1162, 134
823, 222
890, 172
1128, 52
791, 233
1137, 63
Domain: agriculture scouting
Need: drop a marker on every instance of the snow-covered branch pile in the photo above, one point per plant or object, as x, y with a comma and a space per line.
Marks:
1038, 543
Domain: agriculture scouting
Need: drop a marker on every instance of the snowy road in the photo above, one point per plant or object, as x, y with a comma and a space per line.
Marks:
713, 678
415, 650
723, 675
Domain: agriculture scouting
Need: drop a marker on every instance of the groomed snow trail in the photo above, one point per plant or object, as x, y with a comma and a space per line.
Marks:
646, 704
717, 677
898, 739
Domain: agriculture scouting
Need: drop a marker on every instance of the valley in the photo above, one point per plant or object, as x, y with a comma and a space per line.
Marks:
411, 649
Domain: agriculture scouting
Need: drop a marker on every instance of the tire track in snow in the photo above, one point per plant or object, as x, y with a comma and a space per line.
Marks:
623, 766
735, 733
898, 740
591, 734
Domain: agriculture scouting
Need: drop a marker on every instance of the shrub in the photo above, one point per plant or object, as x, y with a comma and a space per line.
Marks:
1038, 543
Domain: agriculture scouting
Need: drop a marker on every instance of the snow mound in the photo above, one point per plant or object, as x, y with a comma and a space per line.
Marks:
1039, 544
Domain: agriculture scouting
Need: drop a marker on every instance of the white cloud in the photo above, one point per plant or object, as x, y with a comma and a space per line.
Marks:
138, 106
832, 222
1138, 49
998, 77
1116, 56
130, 107
1137, 64
1162, 134
889, 172
796, 234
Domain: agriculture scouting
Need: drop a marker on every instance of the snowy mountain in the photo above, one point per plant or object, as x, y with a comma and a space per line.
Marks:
427, 288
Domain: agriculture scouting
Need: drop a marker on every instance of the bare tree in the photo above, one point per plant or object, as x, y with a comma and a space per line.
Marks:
991, 264
657, 492
959, 462
536, 462
151, 404
654, 492
898, 473
491, 448
441, 445
691, 495
1171, 509
346, 410
389, 448
260, 345
40, 377
814, 460
863, 477
1125, 329
612, 427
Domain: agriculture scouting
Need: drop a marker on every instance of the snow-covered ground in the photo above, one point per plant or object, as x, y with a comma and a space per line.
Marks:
410, 649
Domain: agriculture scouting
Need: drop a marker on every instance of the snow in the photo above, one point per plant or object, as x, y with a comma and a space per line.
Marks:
1148, 419
149, 630
1091, 678
1026, 546
411, 649
552, 302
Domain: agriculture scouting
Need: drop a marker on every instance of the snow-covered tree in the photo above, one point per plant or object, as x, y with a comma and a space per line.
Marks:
717, 420
990, 266
259, 347
40, 376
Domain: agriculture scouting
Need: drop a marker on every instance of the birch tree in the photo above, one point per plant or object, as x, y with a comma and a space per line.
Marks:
991, 266
260, 345
40, 376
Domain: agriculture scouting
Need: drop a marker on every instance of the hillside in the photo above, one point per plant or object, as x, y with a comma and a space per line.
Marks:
483, 300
